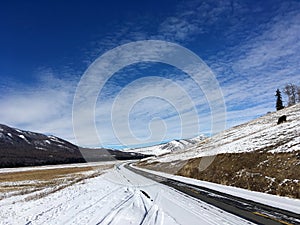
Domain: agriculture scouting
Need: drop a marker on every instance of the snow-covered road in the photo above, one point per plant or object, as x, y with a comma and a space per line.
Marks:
117, 197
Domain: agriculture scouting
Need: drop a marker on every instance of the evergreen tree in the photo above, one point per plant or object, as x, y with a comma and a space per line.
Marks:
279, 104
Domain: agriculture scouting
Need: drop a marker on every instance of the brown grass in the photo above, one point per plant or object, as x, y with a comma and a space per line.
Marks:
45, 182
46, 174
276, 173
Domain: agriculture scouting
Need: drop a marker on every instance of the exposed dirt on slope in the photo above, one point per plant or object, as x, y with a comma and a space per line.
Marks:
273, 173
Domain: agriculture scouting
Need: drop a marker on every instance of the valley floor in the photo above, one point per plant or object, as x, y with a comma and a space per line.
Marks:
118, 196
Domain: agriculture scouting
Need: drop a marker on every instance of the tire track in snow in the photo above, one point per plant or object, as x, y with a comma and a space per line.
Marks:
136, 209
113, 212
154, 215
70, 218
77, 210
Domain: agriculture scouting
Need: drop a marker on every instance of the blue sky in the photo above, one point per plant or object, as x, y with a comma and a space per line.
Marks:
252, 47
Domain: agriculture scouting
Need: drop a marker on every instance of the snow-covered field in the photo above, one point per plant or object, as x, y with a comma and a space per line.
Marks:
72, 165
117, 197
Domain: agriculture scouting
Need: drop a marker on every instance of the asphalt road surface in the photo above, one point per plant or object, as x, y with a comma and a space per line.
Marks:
253, 211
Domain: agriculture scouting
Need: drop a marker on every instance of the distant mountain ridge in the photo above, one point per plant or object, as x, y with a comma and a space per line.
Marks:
172, 146
13, 136
26, 148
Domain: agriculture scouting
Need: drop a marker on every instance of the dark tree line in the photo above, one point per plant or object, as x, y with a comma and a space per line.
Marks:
292, 92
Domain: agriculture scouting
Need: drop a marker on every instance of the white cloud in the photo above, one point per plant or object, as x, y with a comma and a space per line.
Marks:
252, 69
191, 19
257, 62
145, 100
46, 107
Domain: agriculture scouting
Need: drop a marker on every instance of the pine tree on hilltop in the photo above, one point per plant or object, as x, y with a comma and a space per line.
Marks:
279, 104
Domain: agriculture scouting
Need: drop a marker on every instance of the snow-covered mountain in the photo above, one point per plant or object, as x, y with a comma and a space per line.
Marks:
15, 137
25, 148
175, 145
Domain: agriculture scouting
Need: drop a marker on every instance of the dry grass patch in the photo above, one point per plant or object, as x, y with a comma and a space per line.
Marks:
39, 183
273, 173
46, 174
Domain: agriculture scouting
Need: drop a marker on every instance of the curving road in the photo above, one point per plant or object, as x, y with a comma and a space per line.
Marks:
253, 211
126, 195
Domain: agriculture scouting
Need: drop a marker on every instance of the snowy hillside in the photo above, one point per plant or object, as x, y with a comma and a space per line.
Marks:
25, 148
262, 134
259, 155
13, 136
168, 147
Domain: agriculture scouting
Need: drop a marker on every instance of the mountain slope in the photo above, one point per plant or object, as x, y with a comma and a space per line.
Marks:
175, 145
25, 148
259, 155
261, 134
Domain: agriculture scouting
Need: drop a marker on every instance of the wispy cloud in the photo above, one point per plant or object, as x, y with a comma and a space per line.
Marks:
140, 103
193, 18
252, 50
43, 107
267, 59
177, 95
